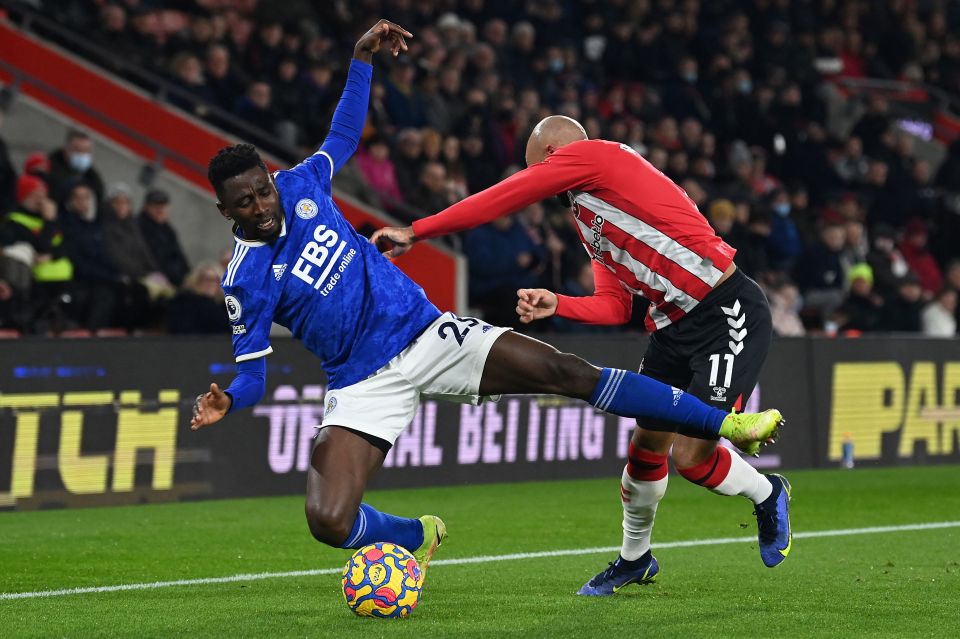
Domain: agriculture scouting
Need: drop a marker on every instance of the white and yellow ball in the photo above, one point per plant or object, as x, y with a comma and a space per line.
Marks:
382, 580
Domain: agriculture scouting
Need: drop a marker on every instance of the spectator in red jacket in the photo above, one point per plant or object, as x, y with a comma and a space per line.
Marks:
915, 251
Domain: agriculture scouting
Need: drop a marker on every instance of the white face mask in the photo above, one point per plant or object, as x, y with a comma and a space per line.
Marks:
81, 161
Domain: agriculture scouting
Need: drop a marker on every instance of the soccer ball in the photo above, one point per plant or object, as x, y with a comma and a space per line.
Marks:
382, 580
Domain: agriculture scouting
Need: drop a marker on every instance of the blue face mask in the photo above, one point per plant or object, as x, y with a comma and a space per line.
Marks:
555, 64
690, 77
81, 161
745, 86
782, 209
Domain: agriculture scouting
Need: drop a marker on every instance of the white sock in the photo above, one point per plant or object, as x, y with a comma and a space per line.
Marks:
640, 500
743, 479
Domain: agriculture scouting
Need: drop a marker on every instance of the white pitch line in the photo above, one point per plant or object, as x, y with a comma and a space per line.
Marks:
843, 532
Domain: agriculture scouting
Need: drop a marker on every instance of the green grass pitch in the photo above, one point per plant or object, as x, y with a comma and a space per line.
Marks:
893, 584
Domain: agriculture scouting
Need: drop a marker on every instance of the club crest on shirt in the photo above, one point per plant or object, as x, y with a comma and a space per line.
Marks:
233, 308
306, 209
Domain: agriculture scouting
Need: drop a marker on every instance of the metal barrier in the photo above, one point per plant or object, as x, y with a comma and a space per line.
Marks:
161, 89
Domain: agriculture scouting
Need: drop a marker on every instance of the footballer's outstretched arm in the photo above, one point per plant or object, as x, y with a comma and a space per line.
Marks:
246, 389
348, 120
557, 174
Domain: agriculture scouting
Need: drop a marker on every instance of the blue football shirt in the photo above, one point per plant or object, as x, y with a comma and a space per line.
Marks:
325, 282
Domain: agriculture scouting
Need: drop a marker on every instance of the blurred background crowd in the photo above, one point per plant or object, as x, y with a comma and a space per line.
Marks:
845, 209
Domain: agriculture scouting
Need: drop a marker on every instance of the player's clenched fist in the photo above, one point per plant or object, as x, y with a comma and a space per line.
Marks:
210, 407
535, 303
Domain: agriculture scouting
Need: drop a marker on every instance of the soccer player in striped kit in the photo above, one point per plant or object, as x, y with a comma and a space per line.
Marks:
710, 323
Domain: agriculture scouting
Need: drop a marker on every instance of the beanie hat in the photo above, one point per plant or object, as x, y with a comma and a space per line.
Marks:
36, 162
27, 185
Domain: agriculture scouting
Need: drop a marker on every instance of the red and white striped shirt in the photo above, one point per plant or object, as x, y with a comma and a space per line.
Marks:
643, 233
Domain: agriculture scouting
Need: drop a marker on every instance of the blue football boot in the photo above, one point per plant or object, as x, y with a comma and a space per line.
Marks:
773, 523
622, 573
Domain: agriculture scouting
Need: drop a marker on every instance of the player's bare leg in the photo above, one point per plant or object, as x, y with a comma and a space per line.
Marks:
341, 466
520, 364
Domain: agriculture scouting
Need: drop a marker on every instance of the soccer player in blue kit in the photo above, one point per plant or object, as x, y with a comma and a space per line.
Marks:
382, 344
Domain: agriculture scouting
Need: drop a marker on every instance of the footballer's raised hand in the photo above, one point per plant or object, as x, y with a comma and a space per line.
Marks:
382, 33
535, 303
210, 407
393, 241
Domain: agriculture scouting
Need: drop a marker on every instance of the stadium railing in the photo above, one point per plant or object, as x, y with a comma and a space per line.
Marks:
180, 143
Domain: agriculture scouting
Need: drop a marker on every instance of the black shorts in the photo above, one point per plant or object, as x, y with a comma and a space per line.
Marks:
715, 352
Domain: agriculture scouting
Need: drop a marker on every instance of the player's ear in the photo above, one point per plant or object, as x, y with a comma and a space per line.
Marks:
223, 210
550, 149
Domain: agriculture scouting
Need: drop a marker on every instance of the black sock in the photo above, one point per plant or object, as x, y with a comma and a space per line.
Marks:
771, 501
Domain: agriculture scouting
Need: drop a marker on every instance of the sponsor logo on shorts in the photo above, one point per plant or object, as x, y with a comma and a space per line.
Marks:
306, 209
233, 308
331, 405
719, 394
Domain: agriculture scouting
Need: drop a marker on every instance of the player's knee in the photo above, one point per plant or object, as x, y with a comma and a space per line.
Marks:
329, 524
654, 436
567, 374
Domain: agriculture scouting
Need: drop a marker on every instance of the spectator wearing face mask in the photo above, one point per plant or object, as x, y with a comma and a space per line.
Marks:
74, 163
784, 245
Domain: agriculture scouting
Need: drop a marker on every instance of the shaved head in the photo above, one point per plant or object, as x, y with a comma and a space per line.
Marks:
550, 134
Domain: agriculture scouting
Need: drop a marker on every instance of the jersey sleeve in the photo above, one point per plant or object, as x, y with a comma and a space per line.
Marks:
610, 303
345, 129
250, 312
567, 169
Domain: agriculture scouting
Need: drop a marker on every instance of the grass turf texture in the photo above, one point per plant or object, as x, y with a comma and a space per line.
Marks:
889, 584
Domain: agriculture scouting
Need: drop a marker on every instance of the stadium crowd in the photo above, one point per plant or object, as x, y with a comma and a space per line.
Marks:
848, 231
